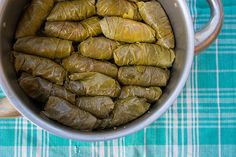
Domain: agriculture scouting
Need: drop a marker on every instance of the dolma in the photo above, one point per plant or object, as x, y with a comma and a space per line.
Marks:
35, 87
105, 123
151, 94
126, 30
98, 48
144, 54
44, 47
61, 92
75, 31
38, 66
40, 89
154, 15
64, 112
93, 84
99, 106
33, 17
78, 63
143, 76
128, 109
92, 25
72, 10
122, 8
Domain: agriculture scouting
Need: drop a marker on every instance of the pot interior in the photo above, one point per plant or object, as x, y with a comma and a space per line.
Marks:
183, 29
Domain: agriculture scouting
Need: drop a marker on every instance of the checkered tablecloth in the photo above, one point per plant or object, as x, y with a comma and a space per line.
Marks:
202, 121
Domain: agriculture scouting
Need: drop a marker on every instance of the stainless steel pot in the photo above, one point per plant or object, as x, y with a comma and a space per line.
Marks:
186, 44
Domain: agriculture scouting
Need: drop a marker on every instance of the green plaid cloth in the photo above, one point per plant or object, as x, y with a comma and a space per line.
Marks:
201, 122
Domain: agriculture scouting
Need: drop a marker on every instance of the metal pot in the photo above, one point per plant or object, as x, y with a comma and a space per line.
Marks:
186, 44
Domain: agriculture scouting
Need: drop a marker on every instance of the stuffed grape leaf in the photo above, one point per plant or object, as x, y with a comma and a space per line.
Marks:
75, 31
143, 76
40, 89
38, 66
78, 63
44, 47
122, 8
93, 84
144, 54
154, 15
128, 109
64, 112
72, 10
98, 48
152, 94
61, 92
99, 106
35, 87
126, 30
33, 17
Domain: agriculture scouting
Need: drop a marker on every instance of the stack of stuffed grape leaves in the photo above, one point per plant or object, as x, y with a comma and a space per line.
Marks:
93, 64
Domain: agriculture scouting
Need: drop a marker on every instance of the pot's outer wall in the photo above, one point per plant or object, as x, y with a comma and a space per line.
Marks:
179, 15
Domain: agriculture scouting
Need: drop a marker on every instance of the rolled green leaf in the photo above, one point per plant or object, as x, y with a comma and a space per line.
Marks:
44, 47
35, 87
144, 54
152, 94
33, 17
75, 31
38, 66
40, 89
61, 92
76, 87
154, 15
99, 106
78, 63
122, 8
126, 30
65, 113
98, 48
128, 109
145, 76
93, 84
105, 123
72, 10
92, 25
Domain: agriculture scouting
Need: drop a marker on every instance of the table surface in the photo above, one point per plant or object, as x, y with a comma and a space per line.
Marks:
201, 122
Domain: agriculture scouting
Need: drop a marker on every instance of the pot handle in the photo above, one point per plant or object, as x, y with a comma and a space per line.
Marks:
208, 34
7, 110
